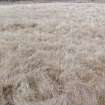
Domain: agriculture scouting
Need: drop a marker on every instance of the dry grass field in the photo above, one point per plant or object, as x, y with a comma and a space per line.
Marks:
50, 1
52, 54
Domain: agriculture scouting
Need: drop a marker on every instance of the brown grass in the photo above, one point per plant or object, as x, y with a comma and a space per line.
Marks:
52, 54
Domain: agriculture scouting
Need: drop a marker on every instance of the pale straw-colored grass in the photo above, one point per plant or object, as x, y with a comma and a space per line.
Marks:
52, 54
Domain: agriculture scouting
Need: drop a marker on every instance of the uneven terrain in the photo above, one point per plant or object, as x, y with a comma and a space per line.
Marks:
52, 54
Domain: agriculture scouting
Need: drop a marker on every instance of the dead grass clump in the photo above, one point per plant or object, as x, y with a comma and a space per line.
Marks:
8, 94
17, 26
101, 99
54, 73
35, 87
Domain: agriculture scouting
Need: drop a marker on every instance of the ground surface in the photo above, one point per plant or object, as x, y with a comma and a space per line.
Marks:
49, 1
52, 54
